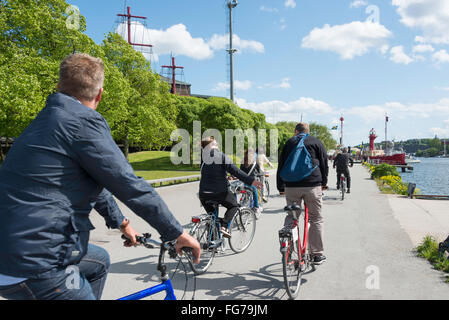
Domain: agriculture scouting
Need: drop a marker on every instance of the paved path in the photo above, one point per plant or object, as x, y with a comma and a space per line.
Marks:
362, 237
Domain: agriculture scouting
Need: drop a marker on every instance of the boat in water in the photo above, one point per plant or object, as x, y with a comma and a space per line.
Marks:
411, 159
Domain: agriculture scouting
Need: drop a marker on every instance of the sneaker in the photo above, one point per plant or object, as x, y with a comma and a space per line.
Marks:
318, 259
258, 212
338, 187
349, 191
225, 232
264, 199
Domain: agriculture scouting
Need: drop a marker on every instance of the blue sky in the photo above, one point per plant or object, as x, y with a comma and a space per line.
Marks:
320, 58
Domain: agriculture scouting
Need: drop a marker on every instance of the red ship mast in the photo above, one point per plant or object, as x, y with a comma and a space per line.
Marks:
173, 68
129, 16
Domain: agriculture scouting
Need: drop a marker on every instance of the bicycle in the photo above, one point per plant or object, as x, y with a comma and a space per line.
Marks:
246, 194
296, 258
207, 231
342, 187
166, 284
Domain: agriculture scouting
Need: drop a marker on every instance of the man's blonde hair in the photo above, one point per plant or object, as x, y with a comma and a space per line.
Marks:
81, 76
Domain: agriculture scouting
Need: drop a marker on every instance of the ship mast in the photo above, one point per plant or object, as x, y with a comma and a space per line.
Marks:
386, 137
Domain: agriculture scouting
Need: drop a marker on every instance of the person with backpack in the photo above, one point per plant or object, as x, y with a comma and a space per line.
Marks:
302, 175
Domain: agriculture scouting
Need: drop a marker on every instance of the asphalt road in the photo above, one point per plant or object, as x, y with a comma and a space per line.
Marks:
369, 255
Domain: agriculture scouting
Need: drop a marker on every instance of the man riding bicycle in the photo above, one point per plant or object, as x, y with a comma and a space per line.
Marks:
214, 184
64, 164
310, 189
341, 162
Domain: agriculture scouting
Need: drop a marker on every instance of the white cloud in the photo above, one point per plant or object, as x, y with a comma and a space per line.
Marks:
441, 56
283, 24
288, 110
290, 4
421, 48
441, 132
238, 85
220, 42
348, 40
398, 55
268, 9
176, 40
431, 16
283, 84
358, 4
401, 111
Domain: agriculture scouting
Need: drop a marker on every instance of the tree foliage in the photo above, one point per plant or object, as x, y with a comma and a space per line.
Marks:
35, 36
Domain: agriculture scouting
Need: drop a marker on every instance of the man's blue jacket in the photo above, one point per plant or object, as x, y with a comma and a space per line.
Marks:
63, 165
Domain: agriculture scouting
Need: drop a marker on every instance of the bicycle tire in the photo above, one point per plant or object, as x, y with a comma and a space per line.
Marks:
266, 189
291, 269
343, 190
204, 232
243, 229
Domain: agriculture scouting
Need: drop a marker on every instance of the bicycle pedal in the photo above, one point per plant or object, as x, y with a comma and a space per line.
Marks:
215, 244
285, 233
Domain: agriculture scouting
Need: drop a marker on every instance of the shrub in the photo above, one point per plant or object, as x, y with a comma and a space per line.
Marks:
384, 169
395, 182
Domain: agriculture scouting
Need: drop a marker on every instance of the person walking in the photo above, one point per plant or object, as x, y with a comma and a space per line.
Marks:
308, 189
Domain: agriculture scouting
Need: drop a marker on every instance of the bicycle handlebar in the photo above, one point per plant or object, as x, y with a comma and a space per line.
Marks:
149, 243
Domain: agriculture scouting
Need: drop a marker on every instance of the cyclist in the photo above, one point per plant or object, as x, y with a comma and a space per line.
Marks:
261, 161
214, 184
64, 164
341, 162
251, 167
310, 189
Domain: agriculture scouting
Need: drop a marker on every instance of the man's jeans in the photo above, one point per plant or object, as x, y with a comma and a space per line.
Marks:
84, 281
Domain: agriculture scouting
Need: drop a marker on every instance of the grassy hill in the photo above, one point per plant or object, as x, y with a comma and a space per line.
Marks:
153, 165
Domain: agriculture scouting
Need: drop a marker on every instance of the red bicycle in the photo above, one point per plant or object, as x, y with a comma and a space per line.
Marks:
296, 258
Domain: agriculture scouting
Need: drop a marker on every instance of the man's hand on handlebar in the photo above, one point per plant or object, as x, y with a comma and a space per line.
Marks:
186, 240
131, 234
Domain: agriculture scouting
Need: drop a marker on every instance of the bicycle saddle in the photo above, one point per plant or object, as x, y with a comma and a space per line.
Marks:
292, 207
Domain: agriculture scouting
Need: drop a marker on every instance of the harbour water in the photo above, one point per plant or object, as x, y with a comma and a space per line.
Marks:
431, 176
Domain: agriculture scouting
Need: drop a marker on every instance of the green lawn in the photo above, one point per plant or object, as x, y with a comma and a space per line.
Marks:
152, 165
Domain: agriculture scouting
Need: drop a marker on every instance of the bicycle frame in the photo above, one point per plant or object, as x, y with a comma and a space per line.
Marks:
302, 246
164, 286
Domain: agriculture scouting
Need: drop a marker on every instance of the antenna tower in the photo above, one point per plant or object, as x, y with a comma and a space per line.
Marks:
231, 5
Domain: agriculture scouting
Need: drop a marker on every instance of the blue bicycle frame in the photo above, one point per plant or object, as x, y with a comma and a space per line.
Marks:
164, 286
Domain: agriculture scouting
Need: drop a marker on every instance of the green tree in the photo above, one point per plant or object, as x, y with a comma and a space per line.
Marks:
147, 115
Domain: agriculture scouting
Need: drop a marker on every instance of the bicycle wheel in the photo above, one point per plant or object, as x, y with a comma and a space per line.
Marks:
266, 189
291, 268
296, 257
207, 235
243, 228
343, 190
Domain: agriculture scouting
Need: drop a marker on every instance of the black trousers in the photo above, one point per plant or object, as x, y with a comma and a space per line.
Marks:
225, 199
344, 172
